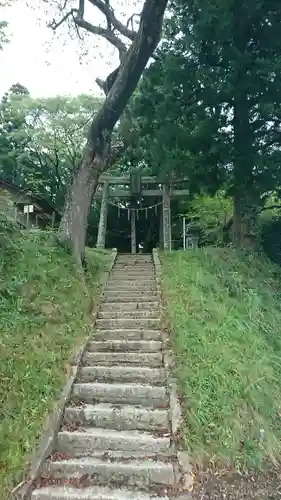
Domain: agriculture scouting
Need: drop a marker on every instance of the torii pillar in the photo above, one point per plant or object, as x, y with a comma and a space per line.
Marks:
167, 243
133, 232
103, 217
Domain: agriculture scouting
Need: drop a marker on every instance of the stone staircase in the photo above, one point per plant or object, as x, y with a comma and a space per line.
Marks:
115, 441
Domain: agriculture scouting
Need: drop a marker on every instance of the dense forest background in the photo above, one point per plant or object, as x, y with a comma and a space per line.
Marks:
207, 108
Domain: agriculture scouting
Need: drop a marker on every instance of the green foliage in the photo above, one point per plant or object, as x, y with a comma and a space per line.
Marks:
270, 238
44, 315
223, 309
3, 37
41, 140
9, 232
209, 214
209, 107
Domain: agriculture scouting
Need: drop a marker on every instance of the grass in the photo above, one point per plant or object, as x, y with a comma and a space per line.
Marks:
224, 313
44, 314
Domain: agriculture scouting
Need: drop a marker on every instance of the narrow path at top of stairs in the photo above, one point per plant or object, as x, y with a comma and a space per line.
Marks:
115, 441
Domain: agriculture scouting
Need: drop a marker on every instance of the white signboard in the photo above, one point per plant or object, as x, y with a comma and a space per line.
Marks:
28, 209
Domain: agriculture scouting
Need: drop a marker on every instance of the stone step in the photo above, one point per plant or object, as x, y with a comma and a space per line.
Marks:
132, 394
131, 285
96, 441
128, 314
118, 417
129, 306
115, 286
137, 268
134, 268
132, 473
133, 274
90, 493
108, 324
129, 296
134, 258
151, 359
141, 258
139, 271
129, 334
124, 346
136, 291
127, 272
140, 280
139, 374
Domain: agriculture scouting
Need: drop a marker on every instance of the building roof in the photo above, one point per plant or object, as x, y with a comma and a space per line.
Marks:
46, 205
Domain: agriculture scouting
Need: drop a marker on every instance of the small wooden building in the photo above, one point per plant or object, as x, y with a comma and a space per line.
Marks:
24, 207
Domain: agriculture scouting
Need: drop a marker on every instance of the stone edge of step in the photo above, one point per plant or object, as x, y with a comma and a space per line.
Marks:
132, 417
51, 424
132, 473
91, 440
92, 493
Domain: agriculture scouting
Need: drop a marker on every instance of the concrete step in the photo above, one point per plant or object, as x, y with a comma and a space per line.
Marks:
131, 296
132, 394
129, 334
129, 314
124, 346
132, 473
90, 493
96, 441
139, 374
129, 306
151, 359
125, 323
118, 417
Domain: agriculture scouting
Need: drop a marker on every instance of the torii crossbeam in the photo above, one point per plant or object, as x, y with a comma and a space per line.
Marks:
125, 187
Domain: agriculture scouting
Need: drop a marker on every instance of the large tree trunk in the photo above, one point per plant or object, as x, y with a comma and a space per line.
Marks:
95, 160
245, 211
244, 193
78, 203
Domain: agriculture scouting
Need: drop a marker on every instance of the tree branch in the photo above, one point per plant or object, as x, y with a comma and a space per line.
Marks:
131, 20
81, 8
105, 33
272, 207
132, 66
54, 25
229, 223
120, 84
107, 10
116, 152
106, 85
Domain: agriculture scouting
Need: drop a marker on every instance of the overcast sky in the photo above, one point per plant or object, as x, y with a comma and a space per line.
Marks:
50, 65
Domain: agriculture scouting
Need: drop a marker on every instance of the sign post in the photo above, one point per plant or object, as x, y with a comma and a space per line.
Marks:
184, 232
28, 209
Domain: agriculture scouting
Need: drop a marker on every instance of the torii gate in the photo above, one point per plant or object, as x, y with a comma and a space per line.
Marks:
133, 187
